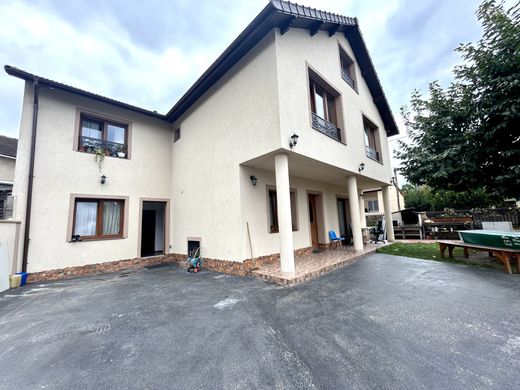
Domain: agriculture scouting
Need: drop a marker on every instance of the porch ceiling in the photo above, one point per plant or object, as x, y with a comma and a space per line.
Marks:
308, 168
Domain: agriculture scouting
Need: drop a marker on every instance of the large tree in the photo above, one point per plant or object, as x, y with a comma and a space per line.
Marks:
467, 136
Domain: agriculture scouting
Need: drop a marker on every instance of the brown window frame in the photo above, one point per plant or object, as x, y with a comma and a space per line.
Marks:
104, 122
99, 218
273, 210
371, 136
329, 101
347, 66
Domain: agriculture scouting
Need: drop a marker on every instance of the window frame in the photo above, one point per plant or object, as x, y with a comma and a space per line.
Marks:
123, 216
328, 99
350, 69
373, 137
105, 121
294, 206
374, 202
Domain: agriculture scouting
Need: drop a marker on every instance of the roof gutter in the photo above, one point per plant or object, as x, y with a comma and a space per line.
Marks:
36, 90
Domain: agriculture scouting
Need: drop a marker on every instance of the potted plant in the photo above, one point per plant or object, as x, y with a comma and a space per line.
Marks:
99, 156
451, 215
121, 152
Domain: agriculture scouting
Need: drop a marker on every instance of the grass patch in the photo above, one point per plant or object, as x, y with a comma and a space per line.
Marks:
432, 252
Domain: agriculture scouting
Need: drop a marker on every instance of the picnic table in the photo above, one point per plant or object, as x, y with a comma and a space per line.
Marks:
504, 255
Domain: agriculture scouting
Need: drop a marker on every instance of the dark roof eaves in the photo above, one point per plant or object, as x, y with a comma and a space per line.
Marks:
15, 72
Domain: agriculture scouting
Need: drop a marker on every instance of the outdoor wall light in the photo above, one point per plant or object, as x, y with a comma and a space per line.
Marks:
361, 167
253, 179
103, 179
294, 140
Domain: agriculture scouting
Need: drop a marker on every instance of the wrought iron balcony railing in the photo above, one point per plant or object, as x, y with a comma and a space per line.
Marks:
326, 127
372, 153
349, 80
89, 145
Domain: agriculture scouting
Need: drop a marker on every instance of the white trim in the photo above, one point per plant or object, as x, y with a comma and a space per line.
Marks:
6, 182
6, 156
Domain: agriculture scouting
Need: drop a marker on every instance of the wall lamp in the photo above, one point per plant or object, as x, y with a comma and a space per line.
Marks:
294, 140
253, 179
361, 167
103, 179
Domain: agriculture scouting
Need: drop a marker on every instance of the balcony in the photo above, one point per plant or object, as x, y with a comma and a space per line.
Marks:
114, 149
372, 153
349, 80
326, 127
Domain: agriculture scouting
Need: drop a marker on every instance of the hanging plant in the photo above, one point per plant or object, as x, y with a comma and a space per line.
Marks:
99, 156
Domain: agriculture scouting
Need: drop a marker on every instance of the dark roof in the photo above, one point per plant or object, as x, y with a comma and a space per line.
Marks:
11, 70
285, 15
8, 146
277, 14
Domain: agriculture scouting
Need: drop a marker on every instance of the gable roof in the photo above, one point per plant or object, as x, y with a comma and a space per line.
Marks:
22, 74
286, 15
277, 14
8, 146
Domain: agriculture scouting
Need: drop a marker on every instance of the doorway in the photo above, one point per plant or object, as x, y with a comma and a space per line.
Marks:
153, 228
315, 218
345, 229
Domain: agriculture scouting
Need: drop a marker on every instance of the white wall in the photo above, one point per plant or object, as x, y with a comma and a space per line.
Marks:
10, 235
236, 120
7, 168
61, 171
295, 52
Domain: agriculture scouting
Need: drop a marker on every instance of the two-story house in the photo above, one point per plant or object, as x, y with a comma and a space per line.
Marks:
266, 152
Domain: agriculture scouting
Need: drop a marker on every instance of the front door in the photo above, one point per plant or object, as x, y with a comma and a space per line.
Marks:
313, 220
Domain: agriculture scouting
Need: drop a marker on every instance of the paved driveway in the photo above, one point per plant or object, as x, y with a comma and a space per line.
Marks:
383, 322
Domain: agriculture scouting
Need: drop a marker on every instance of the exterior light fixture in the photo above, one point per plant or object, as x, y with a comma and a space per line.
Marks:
361, 167
253, 179
294, 140
103, 179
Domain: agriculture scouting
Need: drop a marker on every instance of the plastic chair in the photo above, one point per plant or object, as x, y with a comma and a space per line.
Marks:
335, 240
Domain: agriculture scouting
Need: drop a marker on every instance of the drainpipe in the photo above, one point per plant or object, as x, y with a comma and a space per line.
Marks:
36, 88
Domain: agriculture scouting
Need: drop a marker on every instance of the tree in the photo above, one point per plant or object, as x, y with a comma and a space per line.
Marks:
468, 135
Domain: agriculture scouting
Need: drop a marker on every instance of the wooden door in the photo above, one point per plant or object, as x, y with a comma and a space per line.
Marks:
313, 220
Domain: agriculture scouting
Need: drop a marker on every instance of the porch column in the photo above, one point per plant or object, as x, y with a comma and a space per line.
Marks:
353, 201
362, 211
388, 214
283, 202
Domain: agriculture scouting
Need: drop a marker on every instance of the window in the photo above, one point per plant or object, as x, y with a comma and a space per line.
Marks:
176, 134
371, 134
273, 211
324, 107
98, 218
101, 134
373, 206
347, 69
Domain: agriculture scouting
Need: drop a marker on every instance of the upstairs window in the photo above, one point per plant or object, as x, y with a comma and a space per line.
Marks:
98, 218
347, 69
371, 134
273, 211
98, 134
324, 107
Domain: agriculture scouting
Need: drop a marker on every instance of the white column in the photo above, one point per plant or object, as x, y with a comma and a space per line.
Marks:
353, 201
283, 202
388, 214
362, 216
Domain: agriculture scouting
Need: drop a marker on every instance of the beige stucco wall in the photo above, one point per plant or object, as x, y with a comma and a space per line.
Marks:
236, 120
295, 52
61, 171
378, 195
10, 236
7, 165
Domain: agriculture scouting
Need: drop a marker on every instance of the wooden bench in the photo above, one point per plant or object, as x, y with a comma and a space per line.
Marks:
502, 254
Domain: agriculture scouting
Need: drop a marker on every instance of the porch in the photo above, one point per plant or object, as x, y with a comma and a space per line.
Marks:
311, 266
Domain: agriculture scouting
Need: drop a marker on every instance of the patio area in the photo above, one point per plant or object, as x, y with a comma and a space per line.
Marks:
314, 265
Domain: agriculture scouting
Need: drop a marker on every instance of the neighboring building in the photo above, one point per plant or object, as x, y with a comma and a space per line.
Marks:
7, 165
262, 156
373, 200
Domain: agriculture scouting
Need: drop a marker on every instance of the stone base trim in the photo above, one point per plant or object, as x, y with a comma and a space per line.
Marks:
244, 268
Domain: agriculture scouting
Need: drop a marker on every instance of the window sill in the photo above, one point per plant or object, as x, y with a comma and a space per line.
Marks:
373, 159
106, 155
88, 239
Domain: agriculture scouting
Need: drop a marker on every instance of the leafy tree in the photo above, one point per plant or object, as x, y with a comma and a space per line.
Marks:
468, 135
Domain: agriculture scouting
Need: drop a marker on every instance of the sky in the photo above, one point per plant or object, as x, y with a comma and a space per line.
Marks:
148, 53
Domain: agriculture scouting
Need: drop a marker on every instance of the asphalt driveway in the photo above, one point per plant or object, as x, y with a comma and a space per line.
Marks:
383, 322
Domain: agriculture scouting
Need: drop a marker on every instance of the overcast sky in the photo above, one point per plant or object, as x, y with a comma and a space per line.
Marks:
148, 53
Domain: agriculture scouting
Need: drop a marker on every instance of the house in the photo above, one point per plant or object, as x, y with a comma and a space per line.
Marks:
7, 163
373, 200
269, 150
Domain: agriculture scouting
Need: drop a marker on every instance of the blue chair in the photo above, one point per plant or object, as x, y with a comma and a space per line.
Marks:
335, 240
